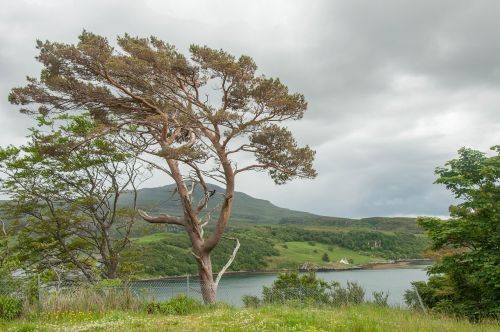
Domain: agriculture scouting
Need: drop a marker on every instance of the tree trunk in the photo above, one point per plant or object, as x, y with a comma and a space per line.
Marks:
207, 284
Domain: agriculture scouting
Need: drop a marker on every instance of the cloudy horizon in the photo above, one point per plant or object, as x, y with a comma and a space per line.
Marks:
394, 88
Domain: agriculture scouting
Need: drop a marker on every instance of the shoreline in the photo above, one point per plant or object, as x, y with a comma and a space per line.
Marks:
395, 264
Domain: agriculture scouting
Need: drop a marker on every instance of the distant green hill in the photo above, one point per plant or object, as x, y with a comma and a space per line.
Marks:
248, 209
251, 210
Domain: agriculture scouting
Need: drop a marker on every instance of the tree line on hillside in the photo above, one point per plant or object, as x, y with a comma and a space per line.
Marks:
391, 246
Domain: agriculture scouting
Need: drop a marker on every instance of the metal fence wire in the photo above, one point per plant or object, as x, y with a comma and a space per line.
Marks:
60, 295
144, 290
20, 287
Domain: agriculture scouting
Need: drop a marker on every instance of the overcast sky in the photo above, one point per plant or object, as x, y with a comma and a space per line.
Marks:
394, 87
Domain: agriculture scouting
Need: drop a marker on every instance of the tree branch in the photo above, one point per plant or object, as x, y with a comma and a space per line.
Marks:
162, 219
229, 262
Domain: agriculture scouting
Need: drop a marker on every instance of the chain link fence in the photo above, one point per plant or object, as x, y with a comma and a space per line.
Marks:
58, 295
19, 287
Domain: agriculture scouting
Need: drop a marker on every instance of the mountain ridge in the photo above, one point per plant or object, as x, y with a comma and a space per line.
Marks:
251, 210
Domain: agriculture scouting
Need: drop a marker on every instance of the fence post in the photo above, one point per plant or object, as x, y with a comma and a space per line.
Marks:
187, 285
420, 299
39, 289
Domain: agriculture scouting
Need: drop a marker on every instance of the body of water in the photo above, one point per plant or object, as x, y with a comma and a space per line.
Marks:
233, 287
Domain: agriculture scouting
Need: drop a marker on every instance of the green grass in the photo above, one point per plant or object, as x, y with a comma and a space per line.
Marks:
151, 238
297, 253
272, 318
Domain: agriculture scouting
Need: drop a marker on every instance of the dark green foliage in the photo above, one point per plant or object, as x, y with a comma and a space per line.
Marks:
294, 287
10, 307
251, 301
325, 257
179, 305
392, 246
172, 256
466, 279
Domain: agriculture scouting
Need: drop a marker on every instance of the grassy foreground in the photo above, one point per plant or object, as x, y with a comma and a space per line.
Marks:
271, 318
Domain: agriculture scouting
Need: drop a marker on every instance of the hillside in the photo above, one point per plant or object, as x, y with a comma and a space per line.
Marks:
271, 237
251, 210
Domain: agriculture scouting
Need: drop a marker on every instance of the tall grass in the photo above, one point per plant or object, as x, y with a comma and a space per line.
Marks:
274, 317
91, 300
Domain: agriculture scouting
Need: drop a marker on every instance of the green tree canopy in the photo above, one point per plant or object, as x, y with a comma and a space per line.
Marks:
64, 186
466, 279
199, 114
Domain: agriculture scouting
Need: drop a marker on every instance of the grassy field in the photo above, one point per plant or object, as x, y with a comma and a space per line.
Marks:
151, 238
293, 254
273, 318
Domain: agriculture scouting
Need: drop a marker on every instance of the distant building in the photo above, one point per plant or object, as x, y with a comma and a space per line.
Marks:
345, 261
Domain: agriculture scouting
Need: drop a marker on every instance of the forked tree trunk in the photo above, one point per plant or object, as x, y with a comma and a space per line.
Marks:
207, 283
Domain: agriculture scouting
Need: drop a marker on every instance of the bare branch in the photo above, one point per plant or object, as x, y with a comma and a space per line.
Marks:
229, 262
162, 219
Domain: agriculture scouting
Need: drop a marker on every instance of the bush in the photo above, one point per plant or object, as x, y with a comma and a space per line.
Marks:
10, 307
325, 257
380, 298
179, 305
292, 287
251, 301
352, 294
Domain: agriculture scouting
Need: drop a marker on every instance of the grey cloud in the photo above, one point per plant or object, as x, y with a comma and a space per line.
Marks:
394, 87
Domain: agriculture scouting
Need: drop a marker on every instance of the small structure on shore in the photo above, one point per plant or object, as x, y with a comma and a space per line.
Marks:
344, 261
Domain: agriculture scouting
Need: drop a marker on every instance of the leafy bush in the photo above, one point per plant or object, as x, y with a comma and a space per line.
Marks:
251, 301
380, 298
10, 307
325, 257
292, 287
352, 294
179, 305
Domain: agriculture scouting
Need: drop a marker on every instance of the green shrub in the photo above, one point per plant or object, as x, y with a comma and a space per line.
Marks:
251, 301
10, 307
380, 298
352, 294
179, 305
293, 287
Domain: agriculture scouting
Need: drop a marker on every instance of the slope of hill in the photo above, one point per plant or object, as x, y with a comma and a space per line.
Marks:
248, 209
